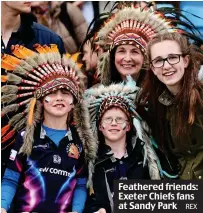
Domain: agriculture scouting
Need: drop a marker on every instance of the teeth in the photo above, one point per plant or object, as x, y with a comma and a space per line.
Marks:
113, 130
59, 105
169, 73
127, 66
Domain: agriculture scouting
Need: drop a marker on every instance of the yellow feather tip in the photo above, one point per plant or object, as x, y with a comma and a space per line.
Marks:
79, 65
74, 57
4, 78
31, 111
68, 55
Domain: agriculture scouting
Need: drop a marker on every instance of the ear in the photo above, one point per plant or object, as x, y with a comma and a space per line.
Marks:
128, 127
186, 60
100, 127
100, 51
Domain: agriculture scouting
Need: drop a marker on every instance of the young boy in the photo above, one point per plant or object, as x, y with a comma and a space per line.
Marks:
47, 162
125, 150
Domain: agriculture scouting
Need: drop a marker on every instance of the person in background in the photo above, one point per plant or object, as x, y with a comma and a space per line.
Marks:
90, 58
50, 147
18, 26
175, 97
91, 52
65, 19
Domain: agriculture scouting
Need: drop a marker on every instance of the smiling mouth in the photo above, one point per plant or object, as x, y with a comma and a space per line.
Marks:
59, 105
169, 73
114, 130
128, 66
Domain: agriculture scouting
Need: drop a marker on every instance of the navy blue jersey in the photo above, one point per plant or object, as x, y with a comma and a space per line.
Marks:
49, 174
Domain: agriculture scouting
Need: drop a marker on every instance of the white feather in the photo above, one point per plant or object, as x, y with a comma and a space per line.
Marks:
200, 74
138, 127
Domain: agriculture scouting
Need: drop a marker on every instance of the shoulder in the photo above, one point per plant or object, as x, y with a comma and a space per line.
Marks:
46, 36
44, 30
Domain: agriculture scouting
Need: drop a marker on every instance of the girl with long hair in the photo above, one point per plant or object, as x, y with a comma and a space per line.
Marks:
175, 98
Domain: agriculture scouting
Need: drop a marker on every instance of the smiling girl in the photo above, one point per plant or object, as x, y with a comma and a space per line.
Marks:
175, 96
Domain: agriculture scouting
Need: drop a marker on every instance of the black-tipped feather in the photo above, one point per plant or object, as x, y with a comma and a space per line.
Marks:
97, 23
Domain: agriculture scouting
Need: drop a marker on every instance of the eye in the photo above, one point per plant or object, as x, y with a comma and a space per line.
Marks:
136, 51
158, 60
172, 57
53, 92
120, 51
107, 120
119, 119
65, 91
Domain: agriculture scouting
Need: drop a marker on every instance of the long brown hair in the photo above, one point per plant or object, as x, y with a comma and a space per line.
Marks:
190, 94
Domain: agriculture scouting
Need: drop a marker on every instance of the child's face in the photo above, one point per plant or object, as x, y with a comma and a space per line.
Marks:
58, 103
114, 124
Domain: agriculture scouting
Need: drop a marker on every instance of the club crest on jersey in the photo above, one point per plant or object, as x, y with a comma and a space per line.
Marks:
73, 150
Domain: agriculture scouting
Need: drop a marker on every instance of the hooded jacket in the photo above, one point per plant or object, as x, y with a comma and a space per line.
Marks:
108, 169
187, 148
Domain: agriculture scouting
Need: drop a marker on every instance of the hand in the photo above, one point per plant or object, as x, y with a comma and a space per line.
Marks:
3, 210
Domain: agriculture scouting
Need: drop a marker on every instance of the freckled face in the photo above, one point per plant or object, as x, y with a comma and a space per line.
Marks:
114, 131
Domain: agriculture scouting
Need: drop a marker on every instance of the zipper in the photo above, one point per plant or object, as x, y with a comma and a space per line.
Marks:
102, 161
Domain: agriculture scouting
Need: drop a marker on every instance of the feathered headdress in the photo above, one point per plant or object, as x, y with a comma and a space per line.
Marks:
32, 75
123, 96
132, 24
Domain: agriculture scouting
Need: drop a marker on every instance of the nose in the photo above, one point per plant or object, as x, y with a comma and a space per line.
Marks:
83, 58
113, 122
166, 65
59, 95
127, 56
